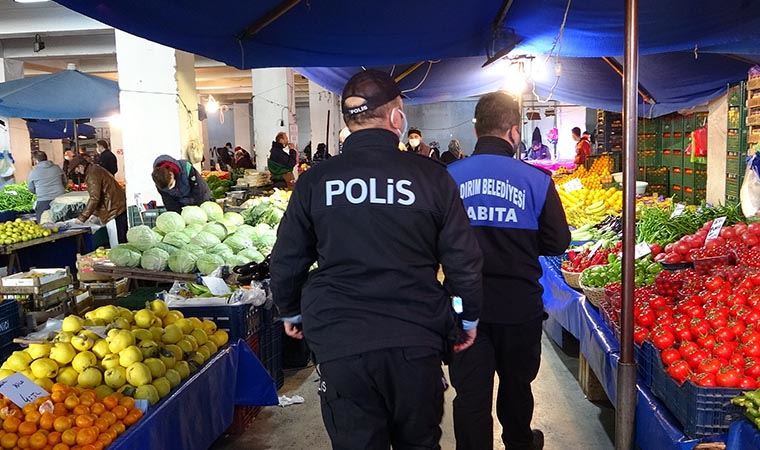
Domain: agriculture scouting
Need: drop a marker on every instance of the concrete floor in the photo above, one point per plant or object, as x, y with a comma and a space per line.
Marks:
567, 419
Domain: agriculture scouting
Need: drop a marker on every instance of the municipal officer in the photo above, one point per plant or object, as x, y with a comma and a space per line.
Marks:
378, 222
517, 216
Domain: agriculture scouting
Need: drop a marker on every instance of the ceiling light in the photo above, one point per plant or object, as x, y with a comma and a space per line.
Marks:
31, 1
212, 106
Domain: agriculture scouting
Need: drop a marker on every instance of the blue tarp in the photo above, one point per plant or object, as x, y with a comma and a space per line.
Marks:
743, 435
68, 94
58, 129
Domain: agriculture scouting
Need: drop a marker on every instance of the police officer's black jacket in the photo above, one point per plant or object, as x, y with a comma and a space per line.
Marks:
378, 222
517, 216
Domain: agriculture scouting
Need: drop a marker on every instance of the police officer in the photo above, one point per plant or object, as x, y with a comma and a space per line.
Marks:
378, 222
517, 216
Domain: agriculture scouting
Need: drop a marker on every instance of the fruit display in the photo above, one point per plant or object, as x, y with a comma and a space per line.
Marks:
13, 232
219, 187
220, 174
601, 276
578, 261
17, 197
655, 224
590, 205
144, 354
68, 418
600, 173
201, 239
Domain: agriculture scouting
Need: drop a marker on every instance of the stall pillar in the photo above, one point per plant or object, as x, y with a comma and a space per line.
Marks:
10, 69
159, 110
321, 104
242, 118
273, 110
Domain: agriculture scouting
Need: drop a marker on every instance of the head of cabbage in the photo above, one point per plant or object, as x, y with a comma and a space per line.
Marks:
238, 242
170, 221
154, 259
234, 218
251, 254
236, 260
166, 247
142, 237
264, 239
209, 262
192, 230
182, 261
194, 214
177, 239
195, 249
125, 255
217, 229
206, 240
212, 210
245, 230
222, 250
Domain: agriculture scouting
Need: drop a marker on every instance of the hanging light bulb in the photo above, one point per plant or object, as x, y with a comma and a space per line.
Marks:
115, 120
212, 106
515, 81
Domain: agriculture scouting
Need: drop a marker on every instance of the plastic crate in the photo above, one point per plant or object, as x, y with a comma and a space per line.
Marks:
555, 261
270, 344
733, 141
148, 217
8, 349
701, 411
239, 321
688, 177
735, 163
10, 322
676, 176
242, 419
644, 363
676, 192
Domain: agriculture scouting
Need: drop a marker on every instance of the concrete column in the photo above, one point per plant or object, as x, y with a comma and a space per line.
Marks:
159, 111
242, 120
273, 109
21, 148
11, 135
53, 148
716, 150
321, 103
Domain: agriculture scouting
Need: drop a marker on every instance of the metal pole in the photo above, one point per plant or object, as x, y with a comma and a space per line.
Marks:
626, 382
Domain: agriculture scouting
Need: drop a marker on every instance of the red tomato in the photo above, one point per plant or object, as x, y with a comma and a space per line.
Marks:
752, 367
741, 228
682, 248
640, 334
717, 320
748, 383
705, 379
750, 336
669, 356
695, 358
682, 332
680, 371
752, 349
672, 258
663, 339
727, 233
737, 360
723, 350
714, 283
754, 228
709, 365
687, 348
753, 316
699, 327
737, 326
645, 318
656, 249
706, 342
750, 240
725, 334
728, 376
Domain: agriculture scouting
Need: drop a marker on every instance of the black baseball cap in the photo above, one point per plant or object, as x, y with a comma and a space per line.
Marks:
375, 87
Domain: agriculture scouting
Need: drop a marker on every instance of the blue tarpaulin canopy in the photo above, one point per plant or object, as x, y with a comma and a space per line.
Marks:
68, 94
58, 129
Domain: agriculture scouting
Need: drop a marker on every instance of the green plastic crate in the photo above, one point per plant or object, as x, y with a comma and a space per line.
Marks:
677, 124
690, 123
658, 175
735, 163
676, 176
676, 192
700, 179
734, 141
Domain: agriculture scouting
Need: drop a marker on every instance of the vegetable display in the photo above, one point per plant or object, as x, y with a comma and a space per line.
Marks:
750, 401
578, 261
16, 197
601, 276
266, 210
655, 225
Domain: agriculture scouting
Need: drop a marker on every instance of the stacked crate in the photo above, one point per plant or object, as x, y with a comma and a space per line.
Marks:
649, 157
42, 294
672, 153
694, 173
609, 132
736, 141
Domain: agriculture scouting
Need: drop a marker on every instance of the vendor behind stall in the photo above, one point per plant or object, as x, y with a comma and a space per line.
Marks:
108, 200
179, 183
46, 180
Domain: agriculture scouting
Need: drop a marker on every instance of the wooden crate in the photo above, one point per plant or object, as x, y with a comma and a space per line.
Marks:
590, 384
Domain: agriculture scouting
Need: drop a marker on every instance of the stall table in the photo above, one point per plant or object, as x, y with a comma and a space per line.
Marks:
11, 250
135, 273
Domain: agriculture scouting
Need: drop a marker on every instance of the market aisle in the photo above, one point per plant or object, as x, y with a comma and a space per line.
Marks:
566, 417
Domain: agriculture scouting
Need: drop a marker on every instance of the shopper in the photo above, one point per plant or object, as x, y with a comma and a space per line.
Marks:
415, 144
68, 155
538, 150
379, 222
281, 161
108, 200
517, 216
107, 159
582, 147
454, 153
242, 159
225, 156
321, 154
46, 180
179, 183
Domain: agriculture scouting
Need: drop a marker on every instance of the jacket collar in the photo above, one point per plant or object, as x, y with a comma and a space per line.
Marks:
371, 139
277, 145
492, 145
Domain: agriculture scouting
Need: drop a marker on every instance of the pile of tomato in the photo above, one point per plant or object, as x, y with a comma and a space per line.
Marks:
577, 262
741, 240
707, 328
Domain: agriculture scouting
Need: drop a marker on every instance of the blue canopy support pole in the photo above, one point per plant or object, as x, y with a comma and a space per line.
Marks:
265, 20
408, 71
645, 95
625, 409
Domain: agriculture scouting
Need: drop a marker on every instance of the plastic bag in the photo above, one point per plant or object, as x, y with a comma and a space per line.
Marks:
697, 147
7, 164
254, 295
750, 191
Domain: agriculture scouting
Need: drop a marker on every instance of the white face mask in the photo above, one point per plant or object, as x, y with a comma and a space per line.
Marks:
172, 184
414, 142
402, 131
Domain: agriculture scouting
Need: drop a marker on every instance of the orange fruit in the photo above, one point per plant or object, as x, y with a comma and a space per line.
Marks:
118, 427
87, 436
109, 417
84, 421
27, 428
61, 446
106, 438
87, 400
23, 442
62, 424
102, 424
87, 447
46, 421
132, 417
10, 424
38, 441
9, 440
54, 438
127, 402
33, 417
58, 396
71, 401
110, 401
29, 408
59, 387
120, 411
69, 437
80, 410
98, 408
59, 409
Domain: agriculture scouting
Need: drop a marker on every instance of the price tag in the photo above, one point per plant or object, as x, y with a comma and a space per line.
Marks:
456, 303
216, 285
641, 250
572, 185
714, 232
11, 192
594, 249
678, 211
21, 390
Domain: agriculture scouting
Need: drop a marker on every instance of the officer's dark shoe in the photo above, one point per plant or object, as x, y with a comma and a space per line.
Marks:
538, 440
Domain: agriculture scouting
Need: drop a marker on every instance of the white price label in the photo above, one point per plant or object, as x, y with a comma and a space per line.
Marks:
594, 249
456, 303
714, 232
573, 185
641, 250
21, 390
11, 192
216, 285
678, 211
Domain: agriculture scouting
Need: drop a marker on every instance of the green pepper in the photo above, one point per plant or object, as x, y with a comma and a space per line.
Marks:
754, 396
752, 413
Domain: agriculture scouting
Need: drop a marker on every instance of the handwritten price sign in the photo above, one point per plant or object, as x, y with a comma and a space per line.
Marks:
21, 390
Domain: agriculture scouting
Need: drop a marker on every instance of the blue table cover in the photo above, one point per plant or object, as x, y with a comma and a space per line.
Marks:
743, 435
201, 409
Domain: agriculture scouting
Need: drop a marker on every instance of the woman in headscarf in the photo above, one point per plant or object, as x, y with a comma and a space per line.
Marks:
538, 150
454, 153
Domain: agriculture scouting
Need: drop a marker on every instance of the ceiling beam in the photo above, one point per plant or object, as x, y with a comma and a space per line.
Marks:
265, 20
408, 71
619, 70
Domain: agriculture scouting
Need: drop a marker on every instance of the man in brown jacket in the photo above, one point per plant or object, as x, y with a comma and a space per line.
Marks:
108, 200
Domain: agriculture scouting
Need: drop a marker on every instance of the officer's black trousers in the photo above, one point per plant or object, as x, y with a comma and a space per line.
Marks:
514, 352
384, 398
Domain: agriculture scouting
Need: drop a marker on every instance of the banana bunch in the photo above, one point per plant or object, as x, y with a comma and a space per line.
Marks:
590, 206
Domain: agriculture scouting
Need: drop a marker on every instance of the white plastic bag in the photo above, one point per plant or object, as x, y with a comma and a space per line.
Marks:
750, 191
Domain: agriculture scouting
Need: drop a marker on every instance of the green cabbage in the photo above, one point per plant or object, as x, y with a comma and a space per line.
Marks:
195, 249
234, 218
170, 221
265, 212
251, 254
182, 261
236, 260
230, 225
177, 239
217, 229
142, 237
154, 259
194, 214
166, 247
264, 239
125, 255
209, 262
213, 210
206, 240
245, 230
238, 242
222, 250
